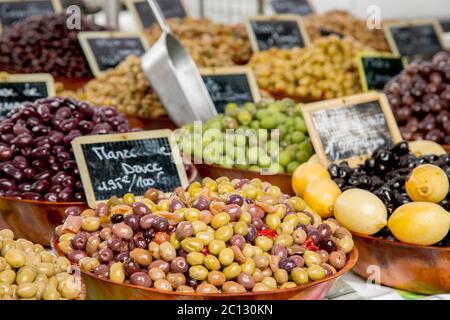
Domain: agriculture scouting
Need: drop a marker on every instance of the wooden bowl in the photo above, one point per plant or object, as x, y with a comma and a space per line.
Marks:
151, 124
72, 84
404, 266
282, 180
36, 220
104, 289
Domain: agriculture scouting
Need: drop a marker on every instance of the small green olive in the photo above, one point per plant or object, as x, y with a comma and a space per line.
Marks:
215, 246
232, 271
226, 256
195, 258
224, 233
299, 276
192, 244
211, 262
316, 272
198, 273
264, 243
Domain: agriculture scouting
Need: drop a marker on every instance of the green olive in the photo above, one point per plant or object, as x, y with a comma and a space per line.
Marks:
117, 272
192, 244
174, 241
6, 234
297, 203
46, 268
16, 258
260, 286
211, 262
312, 258
215, 246
284, 240
198, 273
273, 220
281, 276
292, 219
90, 224
270, 282
26, 274
88, 264
304, 219
27, 290
285, 228
226, 256
245, 217
299, 276
316, 272
265, 243
241, 228
69, 288
288, 285
7, 276
199, 226
248, 250
232, 271
205, 236
248, 266
51, 293
346, 243
299, 236
195, 258
46, 256
192, 214
168, 252
224, 233
3, 264
220, 220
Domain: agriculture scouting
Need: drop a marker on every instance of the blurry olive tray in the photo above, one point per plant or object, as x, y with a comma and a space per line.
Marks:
280, 18
342, 103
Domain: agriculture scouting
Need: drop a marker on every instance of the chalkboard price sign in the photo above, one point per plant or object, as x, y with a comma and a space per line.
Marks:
18, 88
281, 31
415, 38
143, 13
105, 50
234, 84
14, 10
376, 69
116, 164
350, 128
300, 7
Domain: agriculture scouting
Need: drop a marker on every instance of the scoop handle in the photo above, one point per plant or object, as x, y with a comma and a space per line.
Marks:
157, 13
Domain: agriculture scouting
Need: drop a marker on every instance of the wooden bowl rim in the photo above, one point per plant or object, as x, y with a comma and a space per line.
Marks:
352, 258
217, 167
399, 244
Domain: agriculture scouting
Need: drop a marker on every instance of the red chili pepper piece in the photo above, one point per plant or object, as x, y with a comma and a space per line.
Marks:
309, 244
268, 233
205, 250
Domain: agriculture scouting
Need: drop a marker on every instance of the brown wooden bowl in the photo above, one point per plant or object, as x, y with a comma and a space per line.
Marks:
105, 289
151, 124
282, 180
72, 84
421, 269
36, 220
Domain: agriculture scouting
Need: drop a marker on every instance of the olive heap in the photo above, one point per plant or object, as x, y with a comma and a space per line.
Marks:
399, 179
29, 272
36, 156
284, 115
45, 44
343, 23
420, 99
217, 236
124, 87
210, 44
326, 69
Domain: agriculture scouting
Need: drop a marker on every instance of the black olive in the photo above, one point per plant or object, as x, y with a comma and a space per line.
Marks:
401, 148
334, 170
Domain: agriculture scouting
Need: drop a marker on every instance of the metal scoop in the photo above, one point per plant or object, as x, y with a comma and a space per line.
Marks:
175, 77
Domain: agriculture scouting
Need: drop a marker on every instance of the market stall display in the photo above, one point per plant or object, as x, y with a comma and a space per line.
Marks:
45, 44
29, 272
344, 24
219, 236
420, 99
210, 44
326, 69
124, 87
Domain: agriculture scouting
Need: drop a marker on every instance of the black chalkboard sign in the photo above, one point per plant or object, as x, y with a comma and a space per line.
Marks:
14, 10
234, 84
350, 128
377, 69
300, 7
143, 13
105, 50
278, 31
15, 89
415, 39
116, 164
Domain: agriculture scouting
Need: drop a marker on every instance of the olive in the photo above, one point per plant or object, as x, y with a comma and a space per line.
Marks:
179, 265
192, 244
184, 230
312, 258
232, 287
247, 281
206, 288
216, 278
316, 272
195, 258
211, 262
163, 285
337, 259
140, 279
232, 271
198, 272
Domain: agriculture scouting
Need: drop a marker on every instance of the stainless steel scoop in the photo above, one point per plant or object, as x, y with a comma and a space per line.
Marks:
175, 77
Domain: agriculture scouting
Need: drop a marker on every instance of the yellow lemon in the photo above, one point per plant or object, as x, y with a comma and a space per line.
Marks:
320, 195
422, 223
428, 183
360, 211
306, 173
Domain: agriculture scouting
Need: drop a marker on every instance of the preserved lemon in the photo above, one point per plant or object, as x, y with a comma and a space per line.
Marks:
422, 223
428, 183
320, 195
425, 147
360, 211
306, 173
